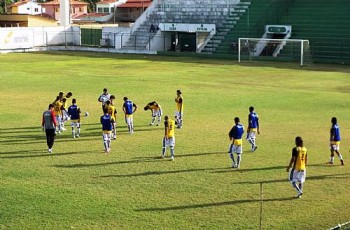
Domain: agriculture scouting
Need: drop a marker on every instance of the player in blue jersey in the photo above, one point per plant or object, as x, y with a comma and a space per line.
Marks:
106, 130
129, 108
253, 128
335, 141
235, 136
74, 114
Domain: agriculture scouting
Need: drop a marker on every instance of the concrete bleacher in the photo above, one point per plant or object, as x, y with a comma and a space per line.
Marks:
326, 24
182, 11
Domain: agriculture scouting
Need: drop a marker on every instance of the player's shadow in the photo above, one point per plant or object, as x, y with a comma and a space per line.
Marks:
230, 170
320, 177
209, 205
45, 154
19, 129
155, 173
105, 163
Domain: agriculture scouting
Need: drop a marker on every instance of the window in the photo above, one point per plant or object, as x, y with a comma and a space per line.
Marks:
105, 10
36, 10
99, 10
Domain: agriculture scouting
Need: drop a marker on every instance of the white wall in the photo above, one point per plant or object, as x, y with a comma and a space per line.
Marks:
29, 8
29, 37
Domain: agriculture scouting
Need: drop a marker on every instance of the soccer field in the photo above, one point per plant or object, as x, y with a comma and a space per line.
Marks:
78, 186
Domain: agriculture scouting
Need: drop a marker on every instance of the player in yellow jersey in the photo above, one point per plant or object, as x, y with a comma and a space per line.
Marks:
299, 162
58, 107
179, 108
113, 113
169, 137
65, 115
156, 110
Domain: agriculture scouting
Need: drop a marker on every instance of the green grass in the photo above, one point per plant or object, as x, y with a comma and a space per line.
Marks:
80, 187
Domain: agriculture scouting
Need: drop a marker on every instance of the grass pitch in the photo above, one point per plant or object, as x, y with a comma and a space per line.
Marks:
80, 187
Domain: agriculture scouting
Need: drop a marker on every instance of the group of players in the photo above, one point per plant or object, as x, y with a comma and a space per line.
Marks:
58, 113
298, 160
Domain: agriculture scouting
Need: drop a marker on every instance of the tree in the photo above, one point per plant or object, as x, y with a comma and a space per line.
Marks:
3, 6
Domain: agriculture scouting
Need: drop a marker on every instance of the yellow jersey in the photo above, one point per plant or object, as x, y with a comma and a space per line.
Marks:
300, 154
169, 128
57, 109
112, 112
154, 107
179, 104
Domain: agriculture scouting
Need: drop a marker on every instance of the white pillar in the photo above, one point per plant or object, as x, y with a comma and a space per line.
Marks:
64, 13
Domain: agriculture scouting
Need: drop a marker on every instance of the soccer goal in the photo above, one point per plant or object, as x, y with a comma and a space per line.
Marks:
296, 50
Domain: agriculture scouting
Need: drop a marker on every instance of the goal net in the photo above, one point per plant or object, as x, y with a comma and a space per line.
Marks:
293, 50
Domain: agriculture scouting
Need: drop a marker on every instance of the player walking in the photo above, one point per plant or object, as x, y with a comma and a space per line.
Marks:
169, 137
235, 136
335, 141
49, 125
299, 162
74, 113
253, 128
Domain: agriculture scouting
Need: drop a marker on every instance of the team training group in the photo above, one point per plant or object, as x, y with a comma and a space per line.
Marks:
58, 113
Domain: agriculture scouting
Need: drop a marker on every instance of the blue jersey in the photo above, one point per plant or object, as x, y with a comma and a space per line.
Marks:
106, 122
335, 133
237, 131
74, 112
253, 120
128, 105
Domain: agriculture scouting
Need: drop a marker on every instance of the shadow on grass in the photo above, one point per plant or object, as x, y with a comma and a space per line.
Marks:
230, 170
155, 173
184, 155
41, 154
208, 205
105, 163
320, 177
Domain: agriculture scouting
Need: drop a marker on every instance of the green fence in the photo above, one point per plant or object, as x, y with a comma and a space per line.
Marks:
90, 36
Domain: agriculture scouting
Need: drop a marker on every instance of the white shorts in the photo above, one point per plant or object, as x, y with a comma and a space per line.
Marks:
334, 146
179, 114
156, 113
297, 176
170, 142
106, 136
237, 149
252, 135
129, 119
65, 116
59, 119
75, 124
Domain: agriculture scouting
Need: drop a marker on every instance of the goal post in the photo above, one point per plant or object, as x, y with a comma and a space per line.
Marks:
274, 49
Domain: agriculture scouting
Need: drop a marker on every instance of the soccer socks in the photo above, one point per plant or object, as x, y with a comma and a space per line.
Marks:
163, 151
172, 152
233, 159
238, 160
153, 119
296, 187
73, 132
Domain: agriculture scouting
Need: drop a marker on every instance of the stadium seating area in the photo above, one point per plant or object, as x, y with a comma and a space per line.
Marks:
324, 23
